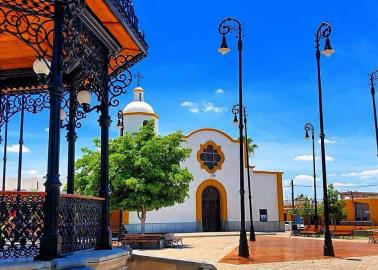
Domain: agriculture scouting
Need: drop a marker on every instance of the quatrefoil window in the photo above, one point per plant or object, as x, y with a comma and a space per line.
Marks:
210, 156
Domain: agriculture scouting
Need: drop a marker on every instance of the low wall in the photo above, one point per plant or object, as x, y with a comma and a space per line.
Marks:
141, 262
188, 227
347, 227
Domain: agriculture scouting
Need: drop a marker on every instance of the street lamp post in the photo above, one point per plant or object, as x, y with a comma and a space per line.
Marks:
120, 123
235, 111
323, 32
121, 127
226, 26
373, 77
310, 128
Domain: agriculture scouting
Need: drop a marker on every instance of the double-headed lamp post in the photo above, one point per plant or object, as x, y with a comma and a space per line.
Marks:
310, 128
373, 77
226, 26
324, 32
235, 111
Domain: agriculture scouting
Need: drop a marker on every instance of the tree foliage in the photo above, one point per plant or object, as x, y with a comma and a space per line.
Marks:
337, 211
251, 146
304, 209
144, 171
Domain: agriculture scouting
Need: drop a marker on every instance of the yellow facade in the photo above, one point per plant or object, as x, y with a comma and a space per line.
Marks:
372, 204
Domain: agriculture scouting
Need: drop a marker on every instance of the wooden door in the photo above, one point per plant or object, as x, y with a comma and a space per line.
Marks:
211, 210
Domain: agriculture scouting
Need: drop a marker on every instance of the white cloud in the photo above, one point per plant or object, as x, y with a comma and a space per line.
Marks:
328, 141
47, 129
329, 158
194, 110
343, 184
362, 174
14, 148
30, 172
210, 107
304, 158
304, 179
219, 91
191, 106
205, 107
309, 158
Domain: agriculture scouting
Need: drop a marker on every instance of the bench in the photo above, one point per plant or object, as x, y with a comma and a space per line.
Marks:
373, 238
140, 239
342, 233
172, 240
311, 231
308, 233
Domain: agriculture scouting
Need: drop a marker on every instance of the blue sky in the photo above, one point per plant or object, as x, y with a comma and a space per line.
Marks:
184, 68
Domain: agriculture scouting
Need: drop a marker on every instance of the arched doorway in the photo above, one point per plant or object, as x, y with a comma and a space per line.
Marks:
211, 221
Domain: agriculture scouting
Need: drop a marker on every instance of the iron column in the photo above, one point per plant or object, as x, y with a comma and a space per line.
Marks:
225, 27
5, 144
324, 32
309, 127
105, 241
373, 78
252, 235
71, 139
21, 144
50, 246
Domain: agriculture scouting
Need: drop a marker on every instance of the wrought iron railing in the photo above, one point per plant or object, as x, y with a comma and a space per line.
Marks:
21, 223
126, 11
80, 221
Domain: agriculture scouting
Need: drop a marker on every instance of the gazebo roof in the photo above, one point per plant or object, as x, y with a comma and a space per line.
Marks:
114, 20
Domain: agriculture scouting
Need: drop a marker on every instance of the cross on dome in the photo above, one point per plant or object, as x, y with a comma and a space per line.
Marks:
139, 76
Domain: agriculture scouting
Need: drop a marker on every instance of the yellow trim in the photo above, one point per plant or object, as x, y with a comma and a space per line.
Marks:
125, 217
142, 113
268, 172
139, 90
214, 130
280, 197
202, 163
223, 198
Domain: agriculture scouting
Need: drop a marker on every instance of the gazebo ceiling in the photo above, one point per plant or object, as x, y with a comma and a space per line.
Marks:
15, 54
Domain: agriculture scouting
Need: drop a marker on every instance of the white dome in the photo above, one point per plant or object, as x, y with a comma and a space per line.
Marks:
137, 112
138, 106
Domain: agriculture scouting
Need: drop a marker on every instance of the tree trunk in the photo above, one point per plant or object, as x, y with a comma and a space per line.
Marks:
142, 217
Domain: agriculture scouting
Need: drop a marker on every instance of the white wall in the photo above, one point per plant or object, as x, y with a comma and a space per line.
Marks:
133, 123
264, 195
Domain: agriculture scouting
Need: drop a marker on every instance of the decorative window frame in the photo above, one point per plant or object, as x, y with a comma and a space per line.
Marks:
219, 151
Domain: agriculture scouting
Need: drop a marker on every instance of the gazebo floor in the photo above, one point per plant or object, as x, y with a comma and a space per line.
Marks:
88, 259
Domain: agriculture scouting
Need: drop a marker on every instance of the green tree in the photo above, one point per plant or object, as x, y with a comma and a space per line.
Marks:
144, 171
251, 147
304, 208
337, 209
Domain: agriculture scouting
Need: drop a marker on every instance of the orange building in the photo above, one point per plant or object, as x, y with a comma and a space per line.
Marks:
362, 211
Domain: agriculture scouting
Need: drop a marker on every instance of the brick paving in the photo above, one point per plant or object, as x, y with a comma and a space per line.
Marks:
213, 248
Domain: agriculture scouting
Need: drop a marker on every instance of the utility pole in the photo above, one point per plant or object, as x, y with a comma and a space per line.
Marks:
292, 199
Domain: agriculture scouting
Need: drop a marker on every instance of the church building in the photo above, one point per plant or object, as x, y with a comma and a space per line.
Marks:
214, 199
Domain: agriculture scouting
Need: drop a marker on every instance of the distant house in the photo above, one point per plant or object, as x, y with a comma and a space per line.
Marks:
361, 207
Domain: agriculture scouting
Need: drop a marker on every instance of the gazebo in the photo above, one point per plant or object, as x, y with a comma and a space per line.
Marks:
56, 55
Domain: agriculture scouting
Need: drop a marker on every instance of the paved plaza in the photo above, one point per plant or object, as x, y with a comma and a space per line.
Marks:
273, 252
